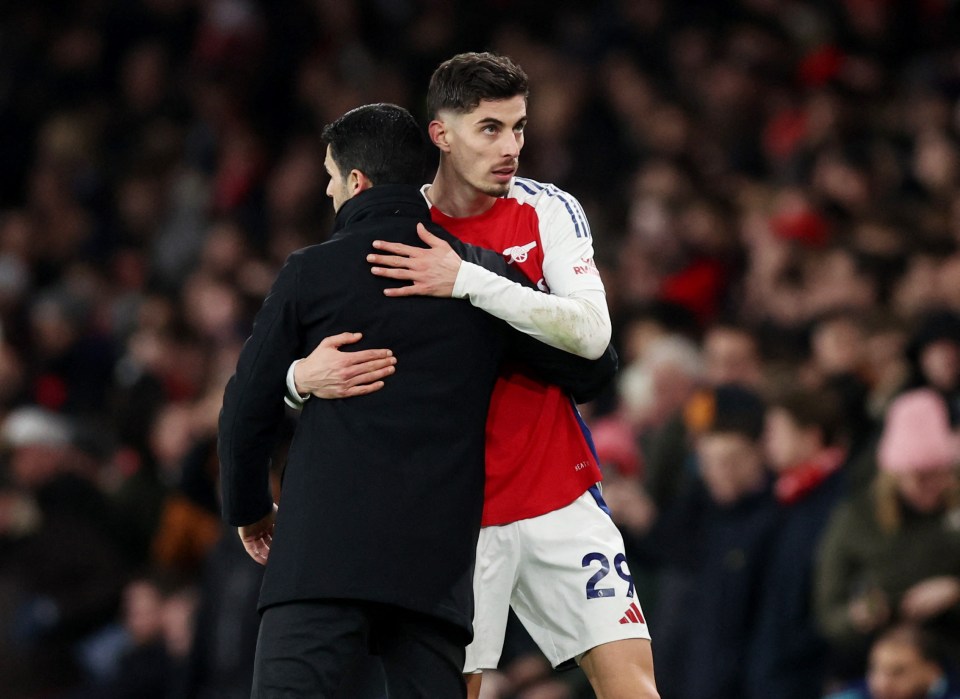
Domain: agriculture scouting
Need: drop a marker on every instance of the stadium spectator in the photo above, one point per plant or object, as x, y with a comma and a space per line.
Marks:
934, 354
62, 562
731, 355
713, 545
803, 443
891, 554
905, 663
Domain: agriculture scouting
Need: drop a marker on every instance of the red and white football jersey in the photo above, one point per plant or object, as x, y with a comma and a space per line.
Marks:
538, 454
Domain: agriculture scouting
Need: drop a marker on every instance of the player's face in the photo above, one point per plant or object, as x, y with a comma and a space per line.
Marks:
484, 145
337, 187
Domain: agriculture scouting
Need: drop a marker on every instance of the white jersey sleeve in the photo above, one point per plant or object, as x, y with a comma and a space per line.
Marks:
574, 315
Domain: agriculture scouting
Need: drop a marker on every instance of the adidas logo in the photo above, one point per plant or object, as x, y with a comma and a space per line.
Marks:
632, 615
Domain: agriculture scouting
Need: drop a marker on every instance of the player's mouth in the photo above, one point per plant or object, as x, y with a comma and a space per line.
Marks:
504, 174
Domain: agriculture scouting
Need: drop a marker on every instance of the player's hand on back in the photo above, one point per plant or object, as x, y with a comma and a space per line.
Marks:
328, 372
432, 270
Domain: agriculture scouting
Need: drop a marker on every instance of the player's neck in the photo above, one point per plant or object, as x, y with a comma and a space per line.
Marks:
456, 198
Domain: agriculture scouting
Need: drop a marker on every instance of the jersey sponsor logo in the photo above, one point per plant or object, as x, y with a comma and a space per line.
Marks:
518, 253
632, 615
588, 267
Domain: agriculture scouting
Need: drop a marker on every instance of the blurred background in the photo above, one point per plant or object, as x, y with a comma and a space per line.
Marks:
772, 187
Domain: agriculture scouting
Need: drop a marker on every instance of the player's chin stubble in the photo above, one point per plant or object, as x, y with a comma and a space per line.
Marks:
496, 190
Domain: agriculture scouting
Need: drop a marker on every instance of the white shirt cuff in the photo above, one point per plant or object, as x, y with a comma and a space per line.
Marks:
293, 398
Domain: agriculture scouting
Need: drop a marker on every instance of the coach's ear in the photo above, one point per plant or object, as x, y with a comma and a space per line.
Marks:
357, 182
439, 134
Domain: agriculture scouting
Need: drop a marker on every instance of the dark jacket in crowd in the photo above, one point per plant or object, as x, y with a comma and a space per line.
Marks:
67, 579
225, 633
382, 494
709, 589
789, 654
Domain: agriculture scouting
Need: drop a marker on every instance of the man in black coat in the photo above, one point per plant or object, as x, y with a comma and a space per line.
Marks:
374, 542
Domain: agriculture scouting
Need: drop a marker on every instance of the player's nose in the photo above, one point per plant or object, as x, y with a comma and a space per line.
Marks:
512, 143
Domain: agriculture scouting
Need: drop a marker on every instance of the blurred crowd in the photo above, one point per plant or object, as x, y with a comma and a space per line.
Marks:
773, 192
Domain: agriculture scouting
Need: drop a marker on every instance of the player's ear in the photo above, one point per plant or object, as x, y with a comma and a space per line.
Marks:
438, 134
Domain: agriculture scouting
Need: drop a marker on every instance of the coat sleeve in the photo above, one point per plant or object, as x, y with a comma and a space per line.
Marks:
252, 410
584, 379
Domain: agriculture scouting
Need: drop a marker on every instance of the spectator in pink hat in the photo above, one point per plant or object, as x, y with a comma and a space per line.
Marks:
892, 554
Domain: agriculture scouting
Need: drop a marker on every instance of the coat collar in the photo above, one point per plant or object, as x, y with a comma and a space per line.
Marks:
380, 201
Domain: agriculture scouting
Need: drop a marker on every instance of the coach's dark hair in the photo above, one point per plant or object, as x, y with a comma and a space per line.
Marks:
460, 83
383, 141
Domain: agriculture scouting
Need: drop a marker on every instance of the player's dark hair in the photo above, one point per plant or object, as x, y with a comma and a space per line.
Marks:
383, 141
460, 83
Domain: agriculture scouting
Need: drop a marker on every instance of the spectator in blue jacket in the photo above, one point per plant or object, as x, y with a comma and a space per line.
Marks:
716, 539
804, 447
904, 664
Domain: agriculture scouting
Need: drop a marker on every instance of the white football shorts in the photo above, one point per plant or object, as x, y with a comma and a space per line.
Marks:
565, 575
